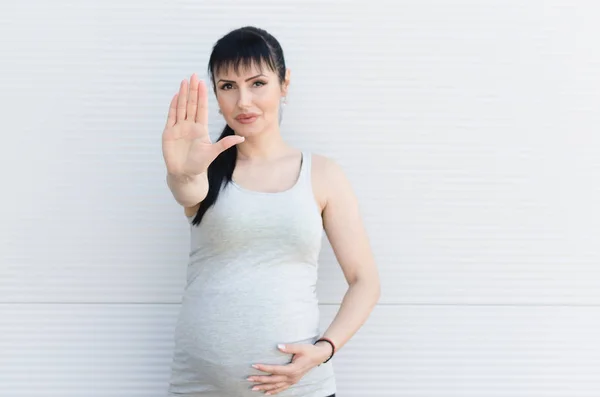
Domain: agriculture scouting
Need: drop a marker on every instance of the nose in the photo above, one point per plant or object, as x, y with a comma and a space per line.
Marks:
244, 98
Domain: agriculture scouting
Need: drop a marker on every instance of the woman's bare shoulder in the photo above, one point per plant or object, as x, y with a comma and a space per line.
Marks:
323, 165
321, 177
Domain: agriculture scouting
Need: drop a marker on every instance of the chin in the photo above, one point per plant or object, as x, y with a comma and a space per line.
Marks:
247, 130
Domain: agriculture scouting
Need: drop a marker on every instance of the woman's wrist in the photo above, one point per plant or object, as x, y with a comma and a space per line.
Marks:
188, 190
328, 348
325, 348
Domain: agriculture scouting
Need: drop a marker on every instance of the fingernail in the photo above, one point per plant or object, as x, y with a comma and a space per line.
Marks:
282, 347
254, 366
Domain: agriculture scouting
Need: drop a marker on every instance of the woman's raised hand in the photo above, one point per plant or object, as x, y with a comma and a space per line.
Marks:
187, 148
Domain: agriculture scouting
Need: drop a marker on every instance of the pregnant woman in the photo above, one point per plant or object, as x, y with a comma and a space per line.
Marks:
257, 208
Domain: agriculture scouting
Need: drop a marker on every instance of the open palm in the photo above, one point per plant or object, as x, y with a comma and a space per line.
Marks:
187, 148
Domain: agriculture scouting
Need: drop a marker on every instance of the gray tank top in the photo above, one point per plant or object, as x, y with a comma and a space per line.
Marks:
251, 284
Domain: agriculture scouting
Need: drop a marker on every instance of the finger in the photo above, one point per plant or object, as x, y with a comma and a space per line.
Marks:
202, 111
294, 348
279, 390
192, 103
271, 387
275, 369
172, 117
264, 379
182, 101
227, 142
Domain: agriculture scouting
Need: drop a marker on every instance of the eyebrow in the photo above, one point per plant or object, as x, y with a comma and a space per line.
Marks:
248, 79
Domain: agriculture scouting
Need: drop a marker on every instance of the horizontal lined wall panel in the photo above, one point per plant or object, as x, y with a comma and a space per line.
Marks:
468, 131
473, 351
444, 351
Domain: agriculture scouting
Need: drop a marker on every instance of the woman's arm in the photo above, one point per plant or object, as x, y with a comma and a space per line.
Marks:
347, 235
188, 191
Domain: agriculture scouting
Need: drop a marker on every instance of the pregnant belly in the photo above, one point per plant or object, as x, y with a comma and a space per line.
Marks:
220, 334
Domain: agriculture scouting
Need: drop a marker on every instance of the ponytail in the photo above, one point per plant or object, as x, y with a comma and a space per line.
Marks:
219, 173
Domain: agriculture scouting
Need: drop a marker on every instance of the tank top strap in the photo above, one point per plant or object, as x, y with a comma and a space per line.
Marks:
305, 169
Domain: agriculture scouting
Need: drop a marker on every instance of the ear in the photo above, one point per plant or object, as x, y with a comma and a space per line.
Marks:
286, 83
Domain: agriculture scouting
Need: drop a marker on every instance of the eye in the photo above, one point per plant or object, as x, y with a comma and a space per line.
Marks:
260, 83
226, 86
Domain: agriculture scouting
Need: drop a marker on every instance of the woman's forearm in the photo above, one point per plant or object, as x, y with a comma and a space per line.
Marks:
355, 309
188, 190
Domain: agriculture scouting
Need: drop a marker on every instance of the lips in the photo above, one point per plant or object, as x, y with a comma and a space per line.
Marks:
246, 118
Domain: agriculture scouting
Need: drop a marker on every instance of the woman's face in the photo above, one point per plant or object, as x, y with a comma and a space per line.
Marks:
250, 100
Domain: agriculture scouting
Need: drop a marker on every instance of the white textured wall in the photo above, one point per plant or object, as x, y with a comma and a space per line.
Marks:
469, 130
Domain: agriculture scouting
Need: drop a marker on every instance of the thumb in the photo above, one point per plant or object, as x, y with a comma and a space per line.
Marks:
227, 142
293, 348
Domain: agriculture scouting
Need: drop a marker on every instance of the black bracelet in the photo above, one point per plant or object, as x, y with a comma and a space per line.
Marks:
332, 347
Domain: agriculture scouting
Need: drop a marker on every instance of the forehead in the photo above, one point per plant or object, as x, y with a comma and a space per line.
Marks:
242, 70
